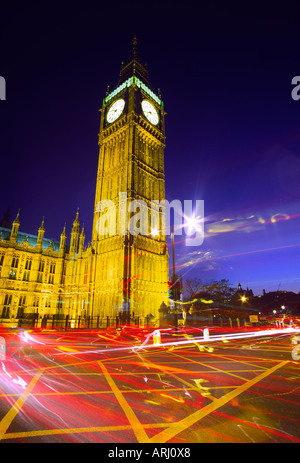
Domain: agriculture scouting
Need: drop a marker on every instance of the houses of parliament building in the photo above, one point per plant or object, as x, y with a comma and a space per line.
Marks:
115, 274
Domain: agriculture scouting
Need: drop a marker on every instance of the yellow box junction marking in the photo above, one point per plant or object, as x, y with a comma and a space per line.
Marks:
131, 416
185, 423
10, 415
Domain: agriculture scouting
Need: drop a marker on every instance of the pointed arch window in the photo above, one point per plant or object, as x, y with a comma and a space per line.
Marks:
26, 274
41, 271
6, 306
21, 307
51, 273
14, 267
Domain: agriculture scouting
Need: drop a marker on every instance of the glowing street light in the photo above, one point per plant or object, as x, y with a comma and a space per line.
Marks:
192, 224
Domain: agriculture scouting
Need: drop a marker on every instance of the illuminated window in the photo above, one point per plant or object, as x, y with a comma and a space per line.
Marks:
12, 274
14, 266
138, 83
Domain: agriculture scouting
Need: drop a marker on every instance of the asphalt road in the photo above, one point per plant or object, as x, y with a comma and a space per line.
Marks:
118, 387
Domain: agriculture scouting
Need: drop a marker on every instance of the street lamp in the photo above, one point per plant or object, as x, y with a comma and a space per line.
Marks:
192, 224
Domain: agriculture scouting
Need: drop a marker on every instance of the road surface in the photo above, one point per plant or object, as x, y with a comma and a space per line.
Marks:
126, 386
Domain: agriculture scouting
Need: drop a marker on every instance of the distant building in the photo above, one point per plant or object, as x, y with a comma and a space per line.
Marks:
283, 302
242, 295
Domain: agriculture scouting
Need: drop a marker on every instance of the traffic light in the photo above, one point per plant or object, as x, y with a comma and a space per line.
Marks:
173, 290
169, 290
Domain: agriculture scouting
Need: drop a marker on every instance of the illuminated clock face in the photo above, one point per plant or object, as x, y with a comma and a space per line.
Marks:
115, 110
150, 112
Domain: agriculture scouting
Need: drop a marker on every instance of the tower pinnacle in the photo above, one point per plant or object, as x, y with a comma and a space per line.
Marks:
15, 227
134, 47
134, 66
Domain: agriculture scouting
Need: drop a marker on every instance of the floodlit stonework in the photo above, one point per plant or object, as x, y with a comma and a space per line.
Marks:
115, 275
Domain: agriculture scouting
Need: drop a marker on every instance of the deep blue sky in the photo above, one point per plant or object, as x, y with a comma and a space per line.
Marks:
232, 127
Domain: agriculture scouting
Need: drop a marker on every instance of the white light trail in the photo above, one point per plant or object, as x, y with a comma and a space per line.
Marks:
199, 339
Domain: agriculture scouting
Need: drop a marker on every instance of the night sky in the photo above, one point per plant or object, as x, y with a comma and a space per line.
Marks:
232, 127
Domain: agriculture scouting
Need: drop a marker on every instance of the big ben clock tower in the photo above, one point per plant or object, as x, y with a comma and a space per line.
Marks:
130, 267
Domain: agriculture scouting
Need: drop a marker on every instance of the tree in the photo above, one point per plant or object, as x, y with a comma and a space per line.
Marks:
221, 290
217, 290
192, 287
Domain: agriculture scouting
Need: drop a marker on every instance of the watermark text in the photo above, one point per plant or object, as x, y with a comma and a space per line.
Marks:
137, 217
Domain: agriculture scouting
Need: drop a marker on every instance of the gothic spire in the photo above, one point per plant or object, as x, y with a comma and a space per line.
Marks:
42, 225
134, 47
17, 218
134, 67
76, 221
15, 227
64, 231
63, 237
41, 233
81, 239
